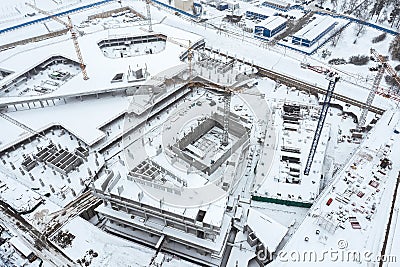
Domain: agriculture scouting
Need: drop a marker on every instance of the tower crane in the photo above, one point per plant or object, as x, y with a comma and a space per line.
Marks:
333, 79
227, 107
149, 15
227, 92
375, 86
74, 36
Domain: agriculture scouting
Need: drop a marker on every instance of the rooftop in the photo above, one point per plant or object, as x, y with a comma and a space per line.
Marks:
315, 27
266, 229
272, 22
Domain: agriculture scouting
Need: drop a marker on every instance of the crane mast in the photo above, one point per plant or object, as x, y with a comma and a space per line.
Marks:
333, 79
77, 49
74, 36
375, 86
371, 96
149, 15
227, 107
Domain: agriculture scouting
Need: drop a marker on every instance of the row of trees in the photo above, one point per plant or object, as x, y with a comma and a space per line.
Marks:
355, 60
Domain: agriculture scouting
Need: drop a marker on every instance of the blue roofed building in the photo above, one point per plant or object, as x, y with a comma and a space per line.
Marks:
259, 13
270, 26
314, 31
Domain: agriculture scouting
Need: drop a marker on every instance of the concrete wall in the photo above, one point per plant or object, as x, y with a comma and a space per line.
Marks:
228, 153
107, 14
235, 128
33, 39
200, 130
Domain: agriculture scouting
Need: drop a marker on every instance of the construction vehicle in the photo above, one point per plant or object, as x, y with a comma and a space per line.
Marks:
375, 86
333, 79
74, 35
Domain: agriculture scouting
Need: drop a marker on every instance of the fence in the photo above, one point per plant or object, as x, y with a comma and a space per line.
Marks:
282, 201
369, 24
109, 13
63, 13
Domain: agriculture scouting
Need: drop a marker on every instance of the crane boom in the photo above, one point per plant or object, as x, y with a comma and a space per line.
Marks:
48, 14
149, 15
74, 36
321, 121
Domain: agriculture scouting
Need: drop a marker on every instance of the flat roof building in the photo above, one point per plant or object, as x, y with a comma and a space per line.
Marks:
270, 26
197, 233
283, 181
277, 4
314, 31
259, 13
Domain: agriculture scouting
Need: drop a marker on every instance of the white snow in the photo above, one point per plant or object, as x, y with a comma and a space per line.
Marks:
266, 229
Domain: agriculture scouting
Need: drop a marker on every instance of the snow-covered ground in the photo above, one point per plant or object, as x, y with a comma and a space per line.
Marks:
98, 122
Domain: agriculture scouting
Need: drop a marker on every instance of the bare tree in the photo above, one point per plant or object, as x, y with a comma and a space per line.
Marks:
334, 4
344, 6
337, 37
361, 12
384, 16
377, 8
394, 48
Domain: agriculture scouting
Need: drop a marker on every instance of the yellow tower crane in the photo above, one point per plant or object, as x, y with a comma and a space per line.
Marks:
74, 36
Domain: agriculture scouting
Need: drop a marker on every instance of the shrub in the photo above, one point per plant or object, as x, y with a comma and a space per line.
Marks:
379, 38
391, 81
359, 60
337, 61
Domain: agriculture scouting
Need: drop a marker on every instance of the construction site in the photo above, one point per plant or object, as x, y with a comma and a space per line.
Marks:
184, 133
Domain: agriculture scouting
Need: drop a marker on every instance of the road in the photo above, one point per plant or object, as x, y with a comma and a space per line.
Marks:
32, 238
70, 211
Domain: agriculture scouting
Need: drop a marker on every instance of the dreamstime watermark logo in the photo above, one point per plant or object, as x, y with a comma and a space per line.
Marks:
342, 254
342, 244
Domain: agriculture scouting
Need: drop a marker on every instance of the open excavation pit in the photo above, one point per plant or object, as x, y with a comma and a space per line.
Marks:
202, 147
131, 46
